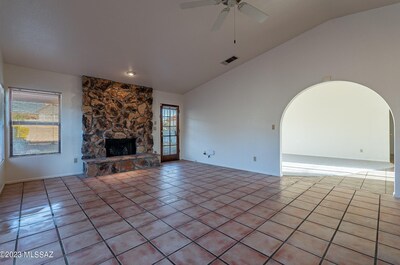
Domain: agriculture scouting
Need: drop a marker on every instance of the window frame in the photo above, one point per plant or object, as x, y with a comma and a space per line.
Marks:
59, 94
3, 125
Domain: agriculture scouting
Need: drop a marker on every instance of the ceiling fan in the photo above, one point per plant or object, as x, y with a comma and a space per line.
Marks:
243, 7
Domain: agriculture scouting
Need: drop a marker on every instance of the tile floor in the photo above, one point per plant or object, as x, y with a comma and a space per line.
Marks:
374, 176
190, 213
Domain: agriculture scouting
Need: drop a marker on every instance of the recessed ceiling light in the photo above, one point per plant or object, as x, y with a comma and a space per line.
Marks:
131, 73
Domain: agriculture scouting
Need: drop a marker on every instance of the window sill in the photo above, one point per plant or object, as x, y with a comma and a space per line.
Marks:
33, 155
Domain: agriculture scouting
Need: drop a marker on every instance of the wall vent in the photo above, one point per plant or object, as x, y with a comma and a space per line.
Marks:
230, 60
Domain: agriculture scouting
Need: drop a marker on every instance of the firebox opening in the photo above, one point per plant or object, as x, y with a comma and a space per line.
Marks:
120, 147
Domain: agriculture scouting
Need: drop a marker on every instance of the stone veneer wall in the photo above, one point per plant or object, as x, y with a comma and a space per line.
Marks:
113, 110
111, 165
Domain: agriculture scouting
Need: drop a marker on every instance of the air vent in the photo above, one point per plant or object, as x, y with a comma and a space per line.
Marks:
230, 60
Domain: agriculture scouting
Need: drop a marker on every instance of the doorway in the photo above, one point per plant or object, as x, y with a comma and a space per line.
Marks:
339, 129
169, 132
391, 135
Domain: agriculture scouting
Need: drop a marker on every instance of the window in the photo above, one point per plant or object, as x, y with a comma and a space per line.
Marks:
35, 122
2, 144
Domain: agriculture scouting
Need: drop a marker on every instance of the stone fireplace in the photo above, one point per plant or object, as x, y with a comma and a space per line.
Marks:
117, 127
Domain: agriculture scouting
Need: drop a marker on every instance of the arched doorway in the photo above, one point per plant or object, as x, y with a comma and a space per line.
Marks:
342, 129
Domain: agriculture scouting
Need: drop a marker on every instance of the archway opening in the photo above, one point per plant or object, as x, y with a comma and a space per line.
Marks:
341, 131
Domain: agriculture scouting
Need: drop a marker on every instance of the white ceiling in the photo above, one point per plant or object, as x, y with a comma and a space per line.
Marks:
170, 49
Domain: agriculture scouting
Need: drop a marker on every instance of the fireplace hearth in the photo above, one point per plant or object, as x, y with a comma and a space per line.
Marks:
120, 147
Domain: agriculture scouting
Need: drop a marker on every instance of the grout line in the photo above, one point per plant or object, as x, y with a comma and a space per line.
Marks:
55, 224
258, 204
253, 229
365, 177
145, 210
194, 219
158, 219
377, 232
19, 222
197, 219
297, 227
337, 228
89, 221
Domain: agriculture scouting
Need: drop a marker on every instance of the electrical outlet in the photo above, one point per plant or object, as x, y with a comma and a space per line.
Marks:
361, 150
254, 158
273, 126
75, 160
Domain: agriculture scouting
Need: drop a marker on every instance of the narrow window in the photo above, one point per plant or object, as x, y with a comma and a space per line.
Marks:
35, 122
2, 111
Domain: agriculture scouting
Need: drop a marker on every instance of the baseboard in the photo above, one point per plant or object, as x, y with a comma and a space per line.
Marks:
43, 177
231, 167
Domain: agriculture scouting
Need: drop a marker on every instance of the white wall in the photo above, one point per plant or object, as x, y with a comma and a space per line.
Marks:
2, 164
234, 113
337, 119
160, 97
42, 166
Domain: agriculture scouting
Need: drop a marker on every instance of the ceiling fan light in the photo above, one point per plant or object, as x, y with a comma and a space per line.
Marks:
252, 12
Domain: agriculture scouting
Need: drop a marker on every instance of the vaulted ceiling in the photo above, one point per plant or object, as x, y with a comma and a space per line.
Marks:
169, 48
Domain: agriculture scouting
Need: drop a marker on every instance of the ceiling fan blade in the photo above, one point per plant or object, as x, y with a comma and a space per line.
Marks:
252, 12
199, 3
220, 19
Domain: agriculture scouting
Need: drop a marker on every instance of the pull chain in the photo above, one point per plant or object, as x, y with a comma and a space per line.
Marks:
234, 25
